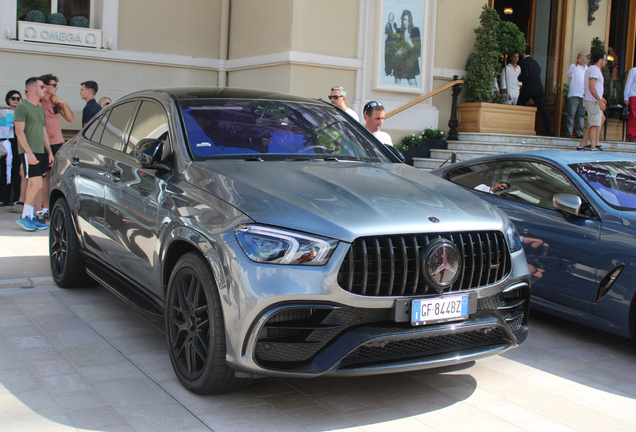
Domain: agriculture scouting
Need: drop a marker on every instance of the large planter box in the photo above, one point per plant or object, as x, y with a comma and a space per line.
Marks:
496, 118
424, 150
614, 130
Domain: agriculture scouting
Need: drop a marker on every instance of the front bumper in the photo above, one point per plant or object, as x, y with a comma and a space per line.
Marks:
309, 326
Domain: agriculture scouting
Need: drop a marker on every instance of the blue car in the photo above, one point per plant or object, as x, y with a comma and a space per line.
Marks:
576, 214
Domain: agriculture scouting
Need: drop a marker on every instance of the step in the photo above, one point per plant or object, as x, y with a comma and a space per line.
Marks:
428, 164
524, 139
461, 155
506, 147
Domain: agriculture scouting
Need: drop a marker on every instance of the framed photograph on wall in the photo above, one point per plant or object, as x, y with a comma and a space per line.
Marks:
401, 36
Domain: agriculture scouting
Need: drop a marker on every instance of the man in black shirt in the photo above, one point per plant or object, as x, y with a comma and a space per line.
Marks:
88, 92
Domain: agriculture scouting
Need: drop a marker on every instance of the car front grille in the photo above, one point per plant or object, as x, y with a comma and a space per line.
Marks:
392, 265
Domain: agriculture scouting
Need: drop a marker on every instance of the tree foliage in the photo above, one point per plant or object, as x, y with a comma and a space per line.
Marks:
494, 38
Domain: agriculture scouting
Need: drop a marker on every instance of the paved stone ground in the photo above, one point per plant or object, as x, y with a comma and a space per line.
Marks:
81, 360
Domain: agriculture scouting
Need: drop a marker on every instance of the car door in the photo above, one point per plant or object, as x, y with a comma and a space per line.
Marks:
561, 249
134, 202
87, 175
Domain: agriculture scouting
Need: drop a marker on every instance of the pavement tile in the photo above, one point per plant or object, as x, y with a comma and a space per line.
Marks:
135, 392
96, 418
19, 379
387, 419
317, 418
347, 402
312, 387
65, 383
160, 418
264, 418
78, 400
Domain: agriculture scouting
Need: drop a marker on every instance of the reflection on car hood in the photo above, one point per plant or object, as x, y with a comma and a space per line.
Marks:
343, 200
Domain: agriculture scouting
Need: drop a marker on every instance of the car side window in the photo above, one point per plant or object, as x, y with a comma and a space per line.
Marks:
150, 122
532, 183
479, 176
96, 128
115, 128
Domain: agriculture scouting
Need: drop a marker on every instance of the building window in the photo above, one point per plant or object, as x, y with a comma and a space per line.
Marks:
69, 8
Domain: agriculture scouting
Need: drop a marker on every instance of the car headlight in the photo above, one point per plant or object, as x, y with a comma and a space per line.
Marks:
512, 237
269, 245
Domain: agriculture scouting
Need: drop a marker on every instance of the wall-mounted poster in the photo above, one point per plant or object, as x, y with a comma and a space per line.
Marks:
402, 36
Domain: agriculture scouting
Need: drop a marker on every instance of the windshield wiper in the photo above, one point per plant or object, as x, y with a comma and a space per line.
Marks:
254, 158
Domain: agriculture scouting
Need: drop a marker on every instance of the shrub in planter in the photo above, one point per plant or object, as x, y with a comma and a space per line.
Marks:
35, 16
79, 21
420, 145
56, 18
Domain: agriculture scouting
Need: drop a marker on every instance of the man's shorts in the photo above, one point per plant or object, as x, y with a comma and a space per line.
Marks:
594, 113
37, 170
55, 148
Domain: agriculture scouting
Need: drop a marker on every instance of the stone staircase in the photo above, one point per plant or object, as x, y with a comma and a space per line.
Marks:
472, 145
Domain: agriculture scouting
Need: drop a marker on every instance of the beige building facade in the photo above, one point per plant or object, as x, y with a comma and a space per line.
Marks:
302, 47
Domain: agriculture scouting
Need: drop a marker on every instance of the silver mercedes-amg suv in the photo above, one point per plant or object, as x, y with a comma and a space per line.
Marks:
277, 237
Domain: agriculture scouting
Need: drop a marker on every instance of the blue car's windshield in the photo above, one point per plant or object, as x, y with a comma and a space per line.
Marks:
614, 182
222, 128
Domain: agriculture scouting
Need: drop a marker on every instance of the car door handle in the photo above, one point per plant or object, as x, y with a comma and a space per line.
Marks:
75, 160
115, 175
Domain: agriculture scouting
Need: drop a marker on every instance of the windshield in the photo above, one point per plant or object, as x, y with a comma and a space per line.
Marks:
614, 182
268, 129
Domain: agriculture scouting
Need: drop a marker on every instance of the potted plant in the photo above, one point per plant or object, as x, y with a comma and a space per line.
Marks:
420, 146
486, 110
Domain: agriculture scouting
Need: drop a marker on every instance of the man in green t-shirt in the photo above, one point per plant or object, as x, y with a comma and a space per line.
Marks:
33, 148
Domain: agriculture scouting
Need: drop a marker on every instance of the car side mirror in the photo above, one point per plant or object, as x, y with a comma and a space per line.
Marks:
150, 153
567, 203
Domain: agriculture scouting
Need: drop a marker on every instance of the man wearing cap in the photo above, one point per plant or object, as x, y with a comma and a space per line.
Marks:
374, 119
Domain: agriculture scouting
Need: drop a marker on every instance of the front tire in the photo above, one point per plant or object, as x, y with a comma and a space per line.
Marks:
195, 329
67, 265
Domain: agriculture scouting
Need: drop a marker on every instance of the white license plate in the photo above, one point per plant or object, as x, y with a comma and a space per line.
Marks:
439, 309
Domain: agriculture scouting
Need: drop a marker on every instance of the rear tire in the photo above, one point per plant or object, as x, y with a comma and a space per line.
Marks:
67, 265
195, 329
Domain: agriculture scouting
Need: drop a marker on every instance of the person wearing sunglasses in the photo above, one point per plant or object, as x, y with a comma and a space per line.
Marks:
337, 98
34, 149
374, 119
16, 179
54, 107
9, 149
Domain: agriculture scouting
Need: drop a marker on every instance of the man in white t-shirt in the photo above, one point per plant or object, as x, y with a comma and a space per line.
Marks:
576, 91
374, 119
593, 100
510, 79
337, 98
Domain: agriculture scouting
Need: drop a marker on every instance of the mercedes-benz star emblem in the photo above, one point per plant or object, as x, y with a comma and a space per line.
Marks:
442, 264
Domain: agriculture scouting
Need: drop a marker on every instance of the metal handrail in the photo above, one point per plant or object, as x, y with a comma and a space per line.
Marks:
426, 96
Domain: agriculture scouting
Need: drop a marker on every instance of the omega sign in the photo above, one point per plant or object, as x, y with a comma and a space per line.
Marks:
57, 34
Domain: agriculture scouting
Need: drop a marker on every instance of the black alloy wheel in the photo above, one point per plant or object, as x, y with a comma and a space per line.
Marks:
195, 329
67, 265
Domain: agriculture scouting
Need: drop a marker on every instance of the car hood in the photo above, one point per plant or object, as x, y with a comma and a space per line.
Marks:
343, 200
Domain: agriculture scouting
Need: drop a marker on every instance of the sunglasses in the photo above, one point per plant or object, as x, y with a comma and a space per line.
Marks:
368, 107
42, 86
334, 97
16, 98
52, 85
